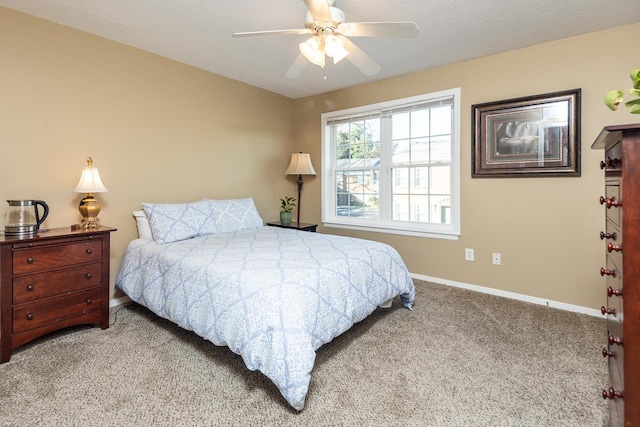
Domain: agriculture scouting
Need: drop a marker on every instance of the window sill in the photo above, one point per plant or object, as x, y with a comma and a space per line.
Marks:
388, 230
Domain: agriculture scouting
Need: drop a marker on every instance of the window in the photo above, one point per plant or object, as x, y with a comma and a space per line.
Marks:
394, 167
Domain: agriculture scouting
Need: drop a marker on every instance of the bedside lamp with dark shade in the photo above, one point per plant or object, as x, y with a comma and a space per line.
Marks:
90, 183
300, 165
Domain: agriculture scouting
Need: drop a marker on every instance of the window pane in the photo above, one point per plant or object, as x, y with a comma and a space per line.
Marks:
419, 150
441, 209
440, 180
419, 180
400, 126
441, 120
420, 208
400, 180
441, 149
401, 208
401, 152
357, 194
419, 123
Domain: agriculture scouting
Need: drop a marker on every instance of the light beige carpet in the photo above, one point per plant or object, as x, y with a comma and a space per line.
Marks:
458, 359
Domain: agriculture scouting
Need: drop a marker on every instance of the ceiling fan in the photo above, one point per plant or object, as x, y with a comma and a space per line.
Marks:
330, 37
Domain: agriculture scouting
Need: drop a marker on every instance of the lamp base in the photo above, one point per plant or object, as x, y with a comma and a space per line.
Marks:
89, 209
91, 222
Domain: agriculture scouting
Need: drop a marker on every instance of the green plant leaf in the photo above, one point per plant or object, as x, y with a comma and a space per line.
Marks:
635, 78
613, 98
633, 106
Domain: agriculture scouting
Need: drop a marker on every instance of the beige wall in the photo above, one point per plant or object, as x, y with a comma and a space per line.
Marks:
162, 131
545, 228
158, 130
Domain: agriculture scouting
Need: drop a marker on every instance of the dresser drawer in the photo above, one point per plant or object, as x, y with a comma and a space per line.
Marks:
31, 260
614, 213
53, 310
40, 285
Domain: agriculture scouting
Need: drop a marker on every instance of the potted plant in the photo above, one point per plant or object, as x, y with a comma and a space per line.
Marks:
286, 207
613, 98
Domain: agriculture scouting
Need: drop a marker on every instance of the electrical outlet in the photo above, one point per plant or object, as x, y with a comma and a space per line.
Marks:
497, 258
468, 254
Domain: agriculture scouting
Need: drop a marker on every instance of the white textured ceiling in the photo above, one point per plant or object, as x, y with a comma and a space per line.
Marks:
198, 32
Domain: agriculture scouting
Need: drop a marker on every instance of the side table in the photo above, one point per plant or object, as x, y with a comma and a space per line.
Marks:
295, 225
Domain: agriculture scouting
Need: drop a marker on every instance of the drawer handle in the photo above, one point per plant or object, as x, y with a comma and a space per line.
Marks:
614, 340
612, 236
30, 260
611, 394
89, 251
611, 247
612, 292
604, 310
30, 288
610, 202
29, 316
610, 163
607, 353
88, 275
611, 273
89, 301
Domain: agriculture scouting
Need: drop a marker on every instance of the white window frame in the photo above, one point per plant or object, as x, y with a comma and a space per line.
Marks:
432, 230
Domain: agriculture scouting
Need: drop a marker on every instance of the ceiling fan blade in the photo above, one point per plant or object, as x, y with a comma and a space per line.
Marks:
379, 29
297, 67
272, 32
319, 10
361, 60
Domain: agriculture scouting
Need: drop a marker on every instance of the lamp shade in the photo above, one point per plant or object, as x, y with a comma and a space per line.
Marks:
300, 165
90, 181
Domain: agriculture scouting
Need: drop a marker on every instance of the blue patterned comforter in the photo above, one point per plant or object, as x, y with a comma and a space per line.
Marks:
272, 295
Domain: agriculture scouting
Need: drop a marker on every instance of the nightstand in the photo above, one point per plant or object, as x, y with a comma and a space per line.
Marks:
295, 225
52, 280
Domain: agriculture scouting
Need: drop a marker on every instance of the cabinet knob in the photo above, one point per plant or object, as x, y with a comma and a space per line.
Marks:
88, 275
611, 247
611, 202
612, 292
89, 251
29, 316
89, 301
604, 271
611, 394
610, 163
30, 260
604, 310
607, 353
615, 340
30, 288
612, 236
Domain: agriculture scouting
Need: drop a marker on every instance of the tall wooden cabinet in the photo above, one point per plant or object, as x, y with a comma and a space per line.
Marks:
621, 237
52, 280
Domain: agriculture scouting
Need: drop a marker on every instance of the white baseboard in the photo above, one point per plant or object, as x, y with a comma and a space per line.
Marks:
511, 295
475, 288
119, 301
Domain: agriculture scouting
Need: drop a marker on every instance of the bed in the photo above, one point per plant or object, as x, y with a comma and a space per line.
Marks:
272, 295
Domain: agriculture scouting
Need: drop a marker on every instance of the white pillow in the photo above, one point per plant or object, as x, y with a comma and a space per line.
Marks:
142, 222
235, 214
171, 222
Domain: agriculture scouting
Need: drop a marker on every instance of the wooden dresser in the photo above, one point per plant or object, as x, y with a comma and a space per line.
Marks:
55, 279
621, 235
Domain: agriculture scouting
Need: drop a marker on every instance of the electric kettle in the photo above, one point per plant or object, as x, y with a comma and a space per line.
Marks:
23, 218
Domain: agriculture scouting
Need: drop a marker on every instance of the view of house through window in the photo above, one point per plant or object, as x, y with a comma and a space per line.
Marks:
393, 166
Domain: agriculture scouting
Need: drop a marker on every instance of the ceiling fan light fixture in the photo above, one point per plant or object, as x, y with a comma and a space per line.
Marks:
310, 47
332, 45
312, 50
340, 55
